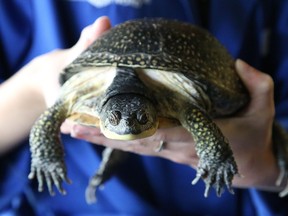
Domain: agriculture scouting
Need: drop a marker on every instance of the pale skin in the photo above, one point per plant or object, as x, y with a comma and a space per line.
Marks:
27, 94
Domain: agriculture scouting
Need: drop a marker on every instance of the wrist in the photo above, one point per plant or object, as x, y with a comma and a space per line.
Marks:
260, 172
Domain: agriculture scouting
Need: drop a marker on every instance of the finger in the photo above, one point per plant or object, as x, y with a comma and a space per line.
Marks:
101, 25
179, 152
177, 148
80, 130
67, 126
171, 135
259, 85
91, 33
94, 135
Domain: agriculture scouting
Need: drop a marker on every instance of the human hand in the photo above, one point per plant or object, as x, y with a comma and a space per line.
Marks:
27, 94
249, 133
52, 63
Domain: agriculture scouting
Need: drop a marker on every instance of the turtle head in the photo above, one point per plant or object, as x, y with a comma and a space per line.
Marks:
128, 117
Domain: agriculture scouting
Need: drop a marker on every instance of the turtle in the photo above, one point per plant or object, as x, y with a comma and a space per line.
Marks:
132, 80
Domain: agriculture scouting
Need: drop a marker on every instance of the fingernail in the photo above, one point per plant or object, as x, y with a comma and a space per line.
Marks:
78, 131
100, 19
82, 131
242, 66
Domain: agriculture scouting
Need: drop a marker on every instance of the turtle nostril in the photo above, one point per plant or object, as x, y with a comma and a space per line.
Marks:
129, 122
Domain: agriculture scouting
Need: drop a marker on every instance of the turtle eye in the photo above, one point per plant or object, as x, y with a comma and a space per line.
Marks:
142, 117
114, 117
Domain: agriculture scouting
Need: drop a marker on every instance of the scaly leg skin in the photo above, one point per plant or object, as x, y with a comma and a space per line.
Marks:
216, 166
111, 159
47, 151
280, 144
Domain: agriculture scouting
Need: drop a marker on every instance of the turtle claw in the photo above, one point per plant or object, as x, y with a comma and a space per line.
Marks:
279, 181
284, 192
90, 194
282, 176
52, 174
207, 189
196, 179
95, 183
216, 176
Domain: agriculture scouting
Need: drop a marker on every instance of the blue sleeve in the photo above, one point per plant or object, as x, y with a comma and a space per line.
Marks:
277, 66
15, 33
278, 60
266, 203
14, 167
29, 28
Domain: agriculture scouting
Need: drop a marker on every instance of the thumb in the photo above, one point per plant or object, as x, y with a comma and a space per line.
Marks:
259, 85
89, 34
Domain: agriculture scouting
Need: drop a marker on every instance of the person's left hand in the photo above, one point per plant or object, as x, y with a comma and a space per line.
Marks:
249, 133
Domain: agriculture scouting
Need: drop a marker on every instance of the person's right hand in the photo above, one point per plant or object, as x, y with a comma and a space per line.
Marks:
51, 64
26, 95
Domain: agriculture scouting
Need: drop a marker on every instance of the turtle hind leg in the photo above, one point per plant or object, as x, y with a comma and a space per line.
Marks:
47, 155
111, 159
216, 165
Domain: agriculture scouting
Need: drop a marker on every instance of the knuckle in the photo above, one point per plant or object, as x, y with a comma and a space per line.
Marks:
160, 136
267, 84
85, 31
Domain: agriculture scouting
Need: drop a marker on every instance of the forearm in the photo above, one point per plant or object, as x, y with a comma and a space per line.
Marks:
260, 172
20, 104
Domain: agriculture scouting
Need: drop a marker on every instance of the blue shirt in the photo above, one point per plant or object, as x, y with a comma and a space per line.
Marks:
255, 31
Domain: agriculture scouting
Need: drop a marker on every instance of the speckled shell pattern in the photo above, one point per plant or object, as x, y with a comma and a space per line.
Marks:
171, 46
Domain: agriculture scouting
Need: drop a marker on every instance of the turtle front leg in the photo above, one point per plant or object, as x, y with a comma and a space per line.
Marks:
47, 155
216, 166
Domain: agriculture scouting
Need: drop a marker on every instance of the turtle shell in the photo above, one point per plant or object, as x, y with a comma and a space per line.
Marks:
171, 46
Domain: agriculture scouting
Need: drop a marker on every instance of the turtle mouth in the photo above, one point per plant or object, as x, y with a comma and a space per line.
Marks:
128, 135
